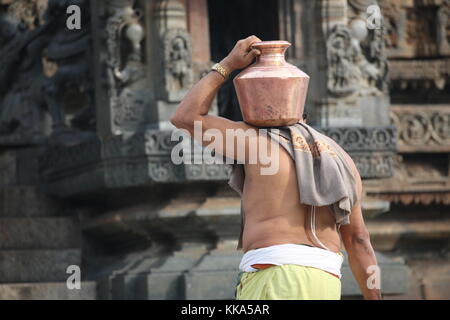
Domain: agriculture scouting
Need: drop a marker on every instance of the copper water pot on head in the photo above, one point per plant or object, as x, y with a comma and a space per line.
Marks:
271, 92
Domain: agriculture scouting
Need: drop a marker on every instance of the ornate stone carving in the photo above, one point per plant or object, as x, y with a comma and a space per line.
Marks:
355, 55
372, 149
342, 73
21, 81
414, 182
422, 128
174, 48
414, 28
407, 74
356, 67
363, 139
121, 161
70, 51
374, 165
41, 60
125, 69
178, 63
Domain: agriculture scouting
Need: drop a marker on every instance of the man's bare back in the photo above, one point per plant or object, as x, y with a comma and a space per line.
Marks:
274, 214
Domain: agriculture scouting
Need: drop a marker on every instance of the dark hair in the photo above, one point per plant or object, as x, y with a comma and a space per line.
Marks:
305, 116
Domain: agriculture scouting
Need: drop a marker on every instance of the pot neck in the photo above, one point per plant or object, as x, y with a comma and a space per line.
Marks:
272, 53
271, 58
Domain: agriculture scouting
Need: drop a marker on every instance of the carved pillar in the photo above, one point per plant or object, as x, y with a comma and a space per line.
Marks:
169, 49
122, 95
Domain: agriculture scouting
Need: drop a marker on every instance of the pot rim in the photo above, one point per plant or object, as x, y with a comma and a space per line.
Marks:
271, 44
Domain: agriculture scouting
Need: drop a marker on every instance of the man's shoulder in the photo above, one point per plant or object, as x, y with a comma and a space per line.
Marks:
347, 157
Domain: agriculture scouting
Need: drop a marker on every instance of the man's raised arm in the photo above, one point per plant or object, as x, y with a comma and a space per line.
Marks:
196, 104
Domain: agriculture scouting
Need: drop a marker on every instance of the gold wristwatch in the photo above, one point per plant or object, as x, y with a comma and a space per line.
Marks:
224, 73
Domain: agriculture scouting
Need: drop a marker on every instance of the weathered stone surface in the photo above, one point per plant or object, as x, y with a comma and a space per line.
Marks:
47, 291
37, 265
118, 278
437, 288
166, 280
434, 276
19, 167
390, 235
27, 201
394, 277
414, 292
39, 233
166, 286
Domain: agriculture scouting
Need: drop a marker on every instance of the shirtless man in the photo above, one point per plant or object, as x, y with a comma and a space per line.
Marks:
273, 212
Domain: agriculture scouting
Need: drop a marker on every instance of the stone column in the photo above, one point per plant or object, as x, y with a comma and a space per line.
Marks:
122, 93
169, 49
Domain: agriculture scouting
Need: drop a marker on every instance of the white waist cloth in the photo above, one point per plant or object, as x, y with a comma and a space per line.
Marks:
293, 254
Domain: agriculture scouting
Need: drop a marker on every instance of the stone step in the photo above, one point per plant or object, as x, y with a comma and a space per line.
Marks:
39, 233
27, 201
37, 265
47, 291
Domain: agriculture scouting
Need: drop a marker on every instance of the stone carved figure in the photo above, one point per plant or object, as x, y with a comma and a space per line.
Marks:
21, 81
342, 75
40, 60
125, 70
355, 55
178, 63
70, 51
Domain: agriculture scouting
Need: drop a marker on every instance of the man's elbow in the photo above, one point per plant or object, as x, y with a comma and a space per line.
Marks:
183, 120
180, 119
177, 120
361, 238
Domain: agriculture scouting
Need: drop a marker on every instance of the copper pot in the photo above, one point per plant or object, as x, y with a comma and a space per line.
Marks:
271, 92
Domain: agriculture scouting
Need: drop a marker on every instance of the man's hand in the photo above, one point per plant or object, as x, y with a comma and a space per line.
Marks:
241, 55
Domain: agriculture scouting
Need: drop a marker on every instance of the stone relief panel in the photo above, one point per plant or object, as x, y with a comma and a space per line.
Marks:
417, 43
422, 128
356, 58
125, 70
416, 28
41, 60
178, 64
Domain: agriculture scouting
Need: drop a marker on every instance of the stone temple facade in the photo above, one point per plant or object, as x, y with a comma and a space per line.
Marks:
86, 177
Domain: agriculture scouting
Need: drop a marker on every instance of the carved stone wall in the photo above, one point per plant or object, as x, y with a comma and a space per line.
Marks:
417, 43
422, 128
43, 65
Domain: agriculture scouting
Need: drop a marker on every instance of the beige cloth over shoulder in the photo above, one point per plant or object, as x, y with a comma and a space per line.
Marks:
324, 176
